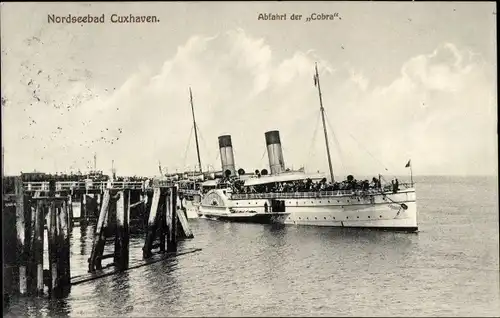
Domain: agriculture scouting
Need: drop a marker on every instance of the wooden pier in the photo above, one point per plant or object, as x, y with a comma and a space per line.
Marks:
30, 207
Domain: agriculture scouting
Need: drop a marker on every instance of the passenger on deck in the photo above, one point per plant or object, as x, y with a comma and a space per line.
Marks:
394, 184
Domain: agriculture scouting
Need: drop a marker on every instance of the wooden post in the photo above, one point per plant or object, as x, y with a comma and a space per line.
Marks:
162, 219
172, 220
151, 227
70, 212
168, 217
122, 230
183, 230
21, 235
99, 201
64, 271
10, 239
148, 201
83, 209
30, 215
38, 246
99, 238
52, 233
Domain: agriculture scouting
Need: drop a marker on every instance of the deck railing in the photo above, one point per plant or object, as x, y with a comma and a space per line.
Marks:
316, 194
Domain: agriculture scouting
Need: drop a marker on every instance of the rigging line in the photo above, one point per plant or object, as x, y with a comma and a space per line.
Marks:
217, 155
187, 148
311, 147
263, 154
207, 149
361, 146
203, 140
339, 151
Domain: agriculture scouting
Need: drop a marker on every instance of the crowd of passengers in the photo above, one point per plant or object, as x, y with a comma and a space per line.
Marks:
309, 185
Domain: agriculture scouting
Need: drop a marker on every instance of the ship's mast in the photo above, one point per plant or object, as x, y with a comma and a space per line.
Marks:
113, 171
195, 130
316, 82
159, 167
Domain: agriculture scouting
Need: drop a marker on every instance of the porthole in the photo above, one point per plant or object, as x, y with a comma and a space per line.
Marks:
328, 201
380, 216
357, 217
334, 218
346, 217
338, 201
311, 202
308, 218
315, 218
236, 203
368, 216
319, 201
300, 218
324, 218
347, 200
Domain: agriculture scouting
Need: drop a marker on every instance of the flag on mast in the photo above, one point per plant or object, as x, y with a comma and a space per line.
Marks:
408, 164
315, 80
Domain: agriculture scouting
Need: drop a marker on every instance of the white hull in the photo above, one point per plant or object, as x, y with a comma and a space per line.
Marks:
392, 211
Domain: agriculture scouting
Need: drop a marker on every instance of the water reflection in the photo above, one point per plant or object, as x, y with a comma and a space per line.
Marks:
83, 238
58, 307
121, 293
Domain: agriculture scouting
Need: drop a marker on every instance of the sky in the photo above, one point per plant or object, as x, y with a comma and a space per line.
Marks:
399, 81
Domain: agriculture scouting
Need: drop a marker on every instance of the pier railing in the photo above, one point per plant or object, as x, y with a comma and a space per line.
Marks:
100, 185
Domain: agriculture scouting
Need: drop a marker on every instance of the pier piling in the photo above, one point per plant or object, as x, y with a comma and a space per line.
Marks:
172, 220
83, 209
36, 271
152, 224
30, 206
122, 230
99, 238
70, 212
64, 271
21, 235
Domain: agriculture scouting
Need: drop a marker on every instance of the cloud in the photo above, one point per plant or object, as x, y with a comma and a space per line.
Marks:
440, 111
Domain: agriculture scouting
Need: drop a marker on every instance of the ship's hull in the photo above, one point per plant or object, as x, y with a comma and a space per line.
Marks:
259, 218
379, 216
388, 211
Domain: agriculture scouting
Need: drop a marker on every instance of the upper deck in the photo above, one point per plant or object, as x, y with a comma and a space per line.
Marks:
404, 187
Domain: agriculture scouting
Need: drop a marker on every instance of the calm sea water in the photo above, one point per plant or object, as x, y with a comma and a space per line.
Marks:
450, 268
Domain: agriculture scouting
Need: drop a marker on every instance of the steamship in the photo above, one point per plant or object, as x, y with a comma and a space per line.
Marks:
217, 203
387, 208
